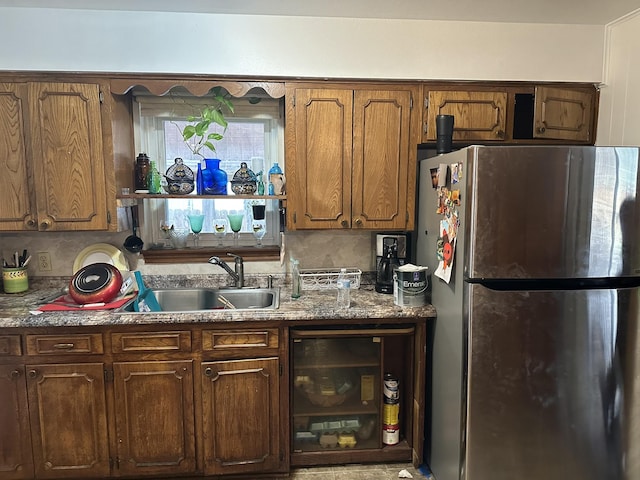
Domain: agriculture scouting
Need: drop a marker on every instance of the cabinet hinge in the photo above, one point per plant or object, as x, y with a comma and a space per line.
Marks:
101, 96
410, 103
295, 218
293, 100
108, 375
109, 217
426, 102
281, 369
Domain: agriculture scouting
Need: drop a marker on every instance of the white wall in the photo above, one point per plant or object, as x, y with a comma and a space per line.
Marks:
619, 119
118, 41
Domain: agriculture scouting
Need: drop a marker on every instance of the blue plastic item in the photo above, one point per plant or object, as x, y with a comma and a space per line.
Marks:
146, 300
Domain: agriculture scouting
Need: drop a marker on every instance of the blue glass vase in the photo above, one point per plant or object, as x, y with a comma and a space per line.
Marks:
199, 186
214, 180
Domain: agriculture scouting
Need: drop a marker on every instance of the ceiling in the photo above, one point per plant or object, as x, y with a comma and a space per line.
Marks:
587, 12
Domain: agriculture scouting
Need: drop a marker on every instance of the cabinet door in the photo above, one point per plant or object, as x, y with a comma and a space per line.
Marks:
16, 202
478, 115
68, 420
384, 152
240, 416
563, 114
319, 159
68, 157
15, 440
154, 417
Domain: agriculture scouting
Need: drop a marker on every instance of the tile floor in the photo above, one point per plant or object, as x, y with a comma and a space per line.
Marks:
357, 472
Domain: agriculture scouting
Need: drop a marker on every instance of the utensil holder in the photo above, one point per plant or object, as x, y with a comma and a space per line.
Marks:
15, 280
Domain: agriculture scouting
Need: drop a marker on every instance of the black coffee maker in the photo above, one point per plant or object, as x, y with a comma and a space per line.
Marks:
389, 250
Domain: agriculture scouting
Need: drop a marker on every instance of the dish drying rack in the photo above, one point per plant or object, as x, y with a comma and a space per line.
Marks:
326, 278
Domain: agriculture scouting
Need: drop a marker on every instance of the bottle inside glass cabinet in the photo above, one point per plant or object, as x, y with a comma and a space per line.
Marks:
337, 390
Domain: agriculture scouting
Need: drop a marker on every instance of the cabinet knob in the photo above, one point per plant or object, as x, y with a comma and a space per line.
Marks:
31, 223
15, 373
45, 224
208, 372
500, 133
33, 374
344, 224
358, 222
541, 129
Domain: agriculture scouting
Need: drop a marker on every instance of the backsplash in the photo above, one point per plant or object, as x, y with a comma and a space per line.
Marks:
314, 249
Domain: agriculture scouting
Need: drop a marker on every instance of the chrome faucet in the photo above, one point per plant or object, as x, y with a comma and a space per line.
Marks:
238, 275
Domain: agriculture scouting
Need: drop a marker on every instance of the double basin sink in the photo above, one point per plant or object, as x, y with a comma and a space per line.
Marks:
206, 299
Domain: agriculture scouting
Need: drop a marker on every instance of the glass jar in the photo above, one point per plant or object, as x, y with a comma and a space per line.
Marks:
141, 172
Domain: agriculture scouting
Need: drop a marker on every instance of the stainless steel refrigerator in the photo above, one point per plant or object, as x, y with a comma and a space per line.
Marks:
535, 347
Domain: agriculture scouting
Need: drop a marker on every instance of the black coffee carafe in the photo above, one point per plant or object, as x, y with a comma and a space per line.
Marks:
387, 264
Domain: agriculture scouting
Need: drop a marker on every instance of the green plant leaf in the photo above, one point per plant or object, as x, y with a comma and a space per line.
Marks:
188, 132
218, 117
214, 136
227, 103
202, 127
210, 146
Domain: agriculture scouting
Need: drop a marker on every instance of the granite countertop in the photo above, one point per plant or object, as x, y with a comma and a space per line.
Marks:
15, 310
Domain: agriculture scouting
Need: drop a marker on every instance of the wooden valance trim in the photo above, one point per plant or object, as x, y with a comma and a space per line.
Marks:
160, 87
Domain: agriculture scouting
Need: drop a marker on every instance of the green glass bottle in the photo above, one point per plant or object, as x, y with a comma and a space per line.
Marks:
153, 180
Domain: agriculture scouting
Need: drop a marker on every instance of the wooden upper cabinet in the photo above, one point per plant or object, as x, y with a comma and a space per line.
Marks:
318, 165
17, 205
563, 114
351, 157
384, 153
514, 113
478, 115
52, 148
66, 132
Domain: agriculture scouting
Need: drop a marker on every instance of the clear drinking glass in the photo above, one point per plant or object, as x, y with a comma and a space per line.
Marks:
166, 230
220, 229
195, 222
235, 222
259, 230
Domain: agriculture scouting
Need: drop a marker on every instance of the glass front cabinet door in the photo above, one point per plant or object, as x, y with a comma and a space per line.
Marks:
351, 394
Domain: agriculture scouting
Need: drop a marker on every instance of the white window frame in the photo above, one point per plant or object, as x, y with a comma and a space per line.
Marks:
150, 111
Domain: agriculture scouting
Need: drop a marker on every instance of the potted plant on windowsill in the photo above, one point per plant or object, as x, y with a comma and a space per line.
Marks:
211, 180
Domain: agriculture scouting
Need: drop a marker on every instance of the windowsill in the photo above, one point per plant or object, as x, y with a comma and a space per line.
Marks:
266, 253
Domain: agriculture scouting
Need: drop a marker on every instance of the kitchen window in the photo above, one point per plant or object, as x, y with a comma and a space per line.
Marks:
255, 135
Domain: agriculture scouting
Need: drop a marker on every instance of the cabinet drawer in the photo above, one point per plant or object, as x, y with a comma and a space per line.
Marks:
222, 340
63, 344
10, 345
175, 341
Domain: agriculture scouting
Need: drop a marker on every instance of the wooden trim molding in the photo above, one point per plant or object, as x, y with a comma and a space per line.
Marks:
266, 253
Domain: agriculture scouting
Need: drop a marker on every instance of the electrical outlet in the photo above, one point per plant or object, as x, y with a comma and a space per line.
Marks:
44, 262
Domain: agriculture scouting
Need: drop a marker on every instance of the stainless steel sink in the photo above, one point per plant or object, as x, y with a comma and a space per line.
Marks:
203, 299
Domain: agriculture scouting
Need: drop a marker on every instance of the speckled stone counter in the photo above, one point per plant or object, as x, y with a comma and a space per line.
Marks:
15, 310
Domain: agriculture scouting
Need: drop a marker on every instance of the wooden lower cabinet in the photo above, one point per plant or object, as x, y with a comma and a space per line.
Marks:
199, 402
240, 416
154, 417
68, 415
15, 438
